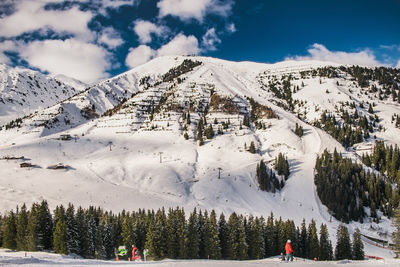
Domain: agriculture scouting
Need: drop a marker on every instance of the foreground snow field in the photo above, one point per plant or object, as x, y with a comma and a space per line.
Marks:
9, 258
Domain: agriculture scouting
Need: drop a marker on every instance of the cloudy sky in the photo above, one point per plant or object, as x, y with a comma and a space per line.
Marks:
94, 39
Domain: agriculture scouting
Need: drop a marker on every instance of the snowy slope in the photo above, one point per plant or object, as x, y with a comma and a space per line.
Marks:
123, 155
9, 258
23, 91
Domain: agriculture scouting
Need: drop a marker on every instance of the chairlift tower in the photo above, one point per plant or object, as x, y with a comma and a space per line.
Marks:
160, 156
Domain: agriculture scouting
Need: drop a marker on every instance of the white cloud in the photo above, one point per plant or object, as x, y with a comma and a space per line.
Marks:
231, 28
390, 47
398, 64
139, 55
320, 52
72, 57
194, 9
110, 37
6, 46
144, 29
210, 40
116, 3
180, 45
103, 5
31, 16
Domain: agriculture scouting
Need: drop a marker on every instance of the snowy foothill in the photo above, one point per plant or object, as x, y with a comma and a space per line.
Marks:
125, 160
10, 258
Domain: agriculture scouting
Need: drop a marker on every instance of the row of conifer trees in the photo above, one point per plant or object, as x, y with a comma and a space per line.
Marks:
94, 233
346, 187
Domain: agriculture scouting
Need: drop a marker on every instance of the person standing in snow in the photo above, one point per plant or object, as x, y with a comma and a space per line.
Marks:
289, 251
135, 253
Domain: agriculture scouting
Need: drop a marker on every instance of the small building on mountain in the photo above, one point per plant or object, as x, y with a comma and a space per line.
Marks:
65, 137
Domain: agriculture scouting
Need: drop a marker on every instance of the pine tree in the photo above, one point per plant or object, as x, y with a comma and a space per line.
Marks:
176, 234
33, 225
209, 132
268, 236
82, 233
343, 246
223, 235
263, 178
312, 241
299, 130
256, 242
302, 244
1, 230
72, 235
200, 129
22, 230
10, 232
282, 166
151, 242
396, 234
92, 217
212, 248
188, 119
370, 109
279, 239
128, 238
242, 247
108, 242
181, 230
60, 237
357, 246
161, 233
140, 225
193, 236
201, 141
172, 241
232, 244
325, 246
45, 226
201, 222
246, 121
252, 148
100, 238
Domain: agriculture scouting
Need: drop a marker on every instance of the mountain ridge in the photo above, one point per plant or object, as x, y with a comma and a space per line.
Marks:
23, 91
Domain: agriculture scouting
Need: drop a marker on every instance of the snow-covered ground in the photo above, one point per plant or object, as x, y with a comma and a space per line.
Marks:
114, 161
9, 258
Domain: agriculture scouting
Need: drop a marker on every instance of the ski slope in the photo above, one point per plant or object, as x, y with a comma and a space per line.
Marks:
127, 161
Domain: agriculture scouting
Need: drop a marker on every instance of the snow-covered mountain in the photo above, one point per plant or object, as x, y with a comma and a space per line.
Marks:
132, 141
23, 91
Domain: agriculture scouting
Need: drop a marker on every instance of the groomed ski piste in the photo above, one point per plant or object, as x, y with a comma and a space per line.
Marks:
8, 258
125, 161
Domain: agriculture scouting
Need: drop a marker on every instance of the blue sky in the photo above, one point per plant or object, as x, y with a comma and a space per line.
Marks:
95, 39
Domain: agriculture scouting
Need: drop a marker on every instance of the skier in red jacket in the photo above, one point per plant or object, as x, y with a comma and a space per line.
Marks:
289, 251
135, 254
